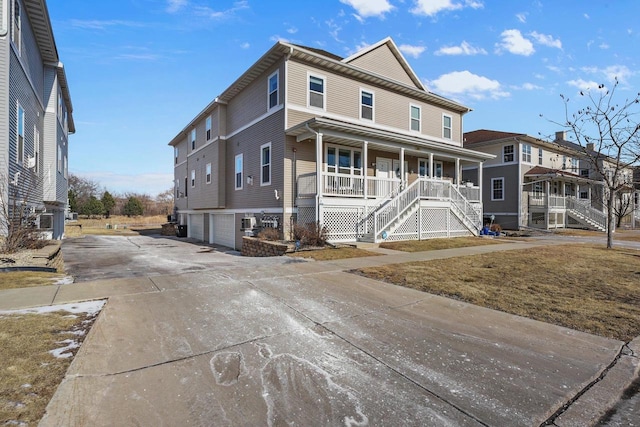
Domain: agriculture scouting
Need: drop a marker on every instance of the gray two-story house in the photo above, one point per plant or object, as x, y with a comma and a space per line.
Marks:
357, 144
35, 119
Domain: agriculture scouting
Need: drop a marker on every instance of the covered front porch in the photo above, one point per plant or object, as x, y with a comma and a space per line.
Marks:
364, 169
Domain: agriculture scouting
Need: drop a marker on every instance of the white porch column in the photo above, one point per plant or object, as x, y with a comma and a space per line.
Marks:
319, 186
458, 174
431, 165
365, 160
547, 188
402, 183
480, 178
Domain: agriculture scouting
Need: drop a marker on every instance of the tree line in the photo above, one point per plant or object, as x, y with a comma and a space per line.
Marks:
87, 197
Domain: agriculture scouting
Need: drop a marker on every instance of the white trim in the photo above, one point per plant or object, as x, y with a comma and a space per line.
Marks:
262, 147
180, 164
193, 137
492, 189
450, 126
231, 211
522, 154
411, 106
193, 178
252, 122
21, 124
373, 105
352, 167
235, 171
515, 153
207, 132
277, 74
208, 173
206, 144
324, 91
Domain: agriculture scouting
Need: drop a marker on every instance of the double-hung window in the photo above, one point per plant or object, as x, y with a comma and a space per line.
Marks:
540, 155
36, 149
508, 154
344, 160
193, 139
20, 136
239, 172
16, 33
446, 126
366, 105
316, 92
265, 164
497, 189
175, 154
272, 92
208, 128
423, 168
208, 173
193, 178
526, 153
574, 165
415, 118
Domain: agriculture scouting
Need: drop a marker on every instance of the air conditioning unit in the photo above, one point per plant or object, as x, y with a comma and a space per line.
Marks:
248, 223
30, 162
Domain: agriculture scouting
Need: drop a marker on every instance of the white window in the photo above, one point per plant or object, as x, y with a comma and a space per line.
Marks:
208, 128
66, 168
508, 154
20, 136
272, 92
36, 149
265, 164
16, 33
59, 158
193, 178
415, 118
574, 165
366, 105
497, 189
193, 139
239, 172
540, 154
316, 92
526, 153
208, 173
176, 152
446, 126
584, 173
344, 160
423, 168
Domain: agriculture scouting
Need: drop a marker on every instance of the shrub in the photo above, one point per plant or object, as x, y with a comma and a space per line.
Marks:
269, 233
310, 234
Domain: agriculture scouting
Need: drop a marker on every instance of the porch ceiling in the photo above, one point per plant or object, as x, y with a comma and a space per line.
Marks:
353, 134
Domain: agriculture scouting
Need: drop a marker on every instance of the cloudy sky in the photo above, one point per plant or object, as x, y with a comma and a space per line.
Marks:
139, 70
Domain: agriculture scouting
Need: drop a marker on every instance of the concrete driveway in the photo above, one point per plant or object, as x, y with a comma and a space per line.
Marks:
195, 336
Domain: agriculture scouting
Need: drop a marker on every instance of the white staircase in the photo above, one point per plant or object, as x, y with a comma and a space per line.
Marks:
586, 215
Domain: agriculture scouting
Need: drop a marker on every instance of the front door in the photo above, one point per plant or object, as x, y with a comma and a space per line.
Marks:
383, 168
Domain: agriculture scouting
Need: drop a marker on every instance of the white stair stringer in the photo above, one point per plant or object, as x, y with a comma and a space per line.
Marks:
586, 214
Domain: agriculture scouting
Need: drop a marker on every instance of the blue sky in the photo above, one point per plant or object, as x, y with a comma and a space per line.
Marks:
140, 70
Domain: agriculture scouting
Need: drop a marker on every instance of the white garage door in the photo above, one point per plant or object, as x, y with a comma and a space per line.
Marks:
223, 230
195, 227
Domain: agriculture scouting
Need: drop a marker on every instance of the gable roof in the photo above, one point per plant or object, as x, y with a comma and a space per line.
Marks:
485, 135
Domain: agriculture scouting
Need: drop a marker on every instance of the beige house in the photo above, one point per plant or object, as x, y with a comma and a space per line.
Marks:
537, 183
358, 144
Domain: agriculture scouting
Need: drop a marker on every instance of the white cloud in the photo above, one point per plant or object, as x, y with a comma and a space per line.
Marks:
464, 49
413, 51
360, 46
530, 86
334, 30
367, 8
95, 24
245, 45
433, 7
292, 30
514, 42
583, 84
612, 72
147, 183
522, 17
276, 38
465, 83
603, 46
586, 16
554, 69
546, 40
174, 6
221, 14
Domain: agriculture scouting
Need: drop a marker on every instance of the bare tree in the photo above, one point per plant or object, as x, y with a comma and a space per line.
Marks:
608, 133
19, 212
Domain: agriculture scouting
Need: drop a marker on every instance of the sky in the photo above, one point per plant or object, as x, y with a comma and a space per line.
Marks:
140, 70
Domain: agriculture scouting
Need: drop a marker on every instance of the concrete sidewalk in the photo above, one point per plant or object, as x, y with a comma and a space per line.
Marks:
272, 342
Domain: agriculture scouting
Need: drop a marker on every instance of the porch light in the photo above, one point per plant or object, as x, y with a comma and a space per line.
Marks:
250, 180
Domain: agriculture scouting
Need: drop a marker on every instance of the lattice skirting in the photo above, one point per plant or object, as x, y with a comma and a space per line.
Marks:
306, 215
342, 222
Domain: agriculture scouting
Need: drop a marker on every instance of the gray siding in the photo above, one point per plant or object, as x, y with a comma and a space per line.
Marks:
207, 195
511, 189
4, 114
383, 62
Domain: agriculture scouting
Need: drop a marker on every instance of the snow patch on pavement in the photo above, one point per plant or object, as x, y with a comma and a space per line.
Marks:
90, 308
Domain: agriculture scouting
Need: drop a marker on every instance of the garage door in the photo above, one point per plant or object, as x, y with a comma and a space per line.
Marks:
195, 227
223, 230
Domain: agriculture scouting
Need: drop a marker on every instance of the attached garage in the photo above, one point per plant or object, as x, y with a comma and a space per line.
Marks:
222, 229
195, 226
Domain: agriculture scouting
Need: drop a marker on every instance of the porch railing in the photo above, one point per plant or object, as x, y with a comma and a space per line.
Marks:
589, 213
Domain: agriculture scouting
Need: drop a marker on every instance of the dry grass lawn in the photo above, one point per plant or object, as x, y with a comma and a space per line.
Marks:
587, 288
120, 225
29, 374
437, 244
329, 254
27, 279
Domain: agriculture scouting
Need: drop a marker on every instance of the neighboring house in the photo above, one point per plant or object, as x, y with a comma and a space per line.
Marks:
355, 143
537, 183
35, 117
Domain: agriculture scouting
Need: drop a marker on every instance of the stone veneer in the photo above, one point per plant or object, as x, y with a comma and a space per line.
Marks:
260, 248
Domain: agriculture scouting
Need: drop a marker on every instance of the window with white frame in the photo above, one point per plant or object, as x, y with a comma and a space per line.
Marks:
423, 168
344, 160
584, 173
59, 158
415, 118
208, 128
564, 162
208, 173
36, 149
272, 92
20, 136
366, 105
16, 33
193, 178
574, 165
265, 164
497, 189
239, 171
446, 126
316, 91
526, 153
186, 187
508, 154
540, 155
66, 168
176, 152
193, 139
